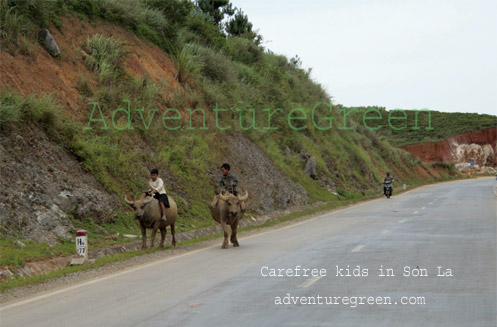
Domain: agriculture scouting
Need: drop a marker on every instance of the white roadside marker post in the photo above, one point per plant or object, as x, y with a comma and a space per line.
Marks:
81, 248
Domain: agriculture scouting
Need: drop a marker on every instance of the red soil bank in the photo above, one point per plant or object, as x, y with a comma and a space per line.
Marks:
445, 150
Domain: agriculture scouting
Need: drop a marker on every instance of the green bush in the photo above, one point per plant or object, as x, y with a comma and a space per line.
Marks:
346, 194
215, 65
450, 167
243, 50
246, 74
205, 29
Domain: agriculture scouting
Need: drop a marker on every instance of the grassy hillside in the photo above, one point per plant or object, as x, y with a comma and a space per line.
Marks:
411, 126
219, 64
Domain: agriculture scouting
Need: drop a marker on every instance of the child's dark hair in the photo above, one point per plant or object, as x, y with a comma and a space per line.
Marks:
226, 166
154, 171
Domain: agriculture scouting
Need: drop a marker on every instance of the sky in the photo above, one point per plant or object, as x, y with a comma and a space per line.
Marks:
398, 54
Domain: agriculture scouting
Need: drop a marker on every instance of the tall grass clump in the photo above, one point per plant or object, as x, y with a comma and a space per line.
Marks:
145, 94
10, 112
12, 24
142, 20
215, 65
105, 56
188, 65
39, 110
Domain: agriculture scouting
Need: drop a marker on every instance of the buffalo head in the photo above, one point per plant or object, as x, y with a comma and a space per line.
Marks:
138, 205
233, 202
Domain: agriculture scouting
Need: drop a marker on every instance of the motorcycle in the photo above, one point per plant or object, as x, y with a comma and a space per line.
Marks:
388, 190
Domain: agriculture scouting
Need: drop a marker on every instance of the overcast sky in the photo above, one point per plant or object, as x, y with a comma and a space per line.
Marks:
409, 54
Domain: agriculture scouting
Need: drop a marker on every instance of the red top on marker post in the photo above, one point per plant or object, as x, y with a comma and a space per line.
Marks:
81, 232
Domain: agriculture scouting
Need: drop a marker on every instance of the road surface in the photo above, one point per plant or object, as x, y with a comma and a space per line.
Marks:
448, 225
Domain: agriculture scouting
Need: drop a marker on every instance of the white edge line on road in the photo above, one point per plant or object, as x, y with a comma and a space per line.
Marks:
415, 212
402, 221
423, 208
385, 231
358, 248
309, 282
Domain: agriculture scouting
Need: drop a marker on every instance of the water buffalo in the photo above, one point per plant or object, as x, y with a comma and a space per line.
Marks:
148, 213
228, 212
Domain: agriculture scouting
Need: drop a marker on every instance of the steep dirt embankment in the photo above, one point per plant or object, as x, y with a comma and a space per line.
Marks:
42, 184
41, 73
458, 149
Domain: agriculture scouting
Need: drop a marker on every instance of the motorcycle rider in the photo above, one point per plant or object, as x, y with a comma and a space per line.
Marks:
387, 180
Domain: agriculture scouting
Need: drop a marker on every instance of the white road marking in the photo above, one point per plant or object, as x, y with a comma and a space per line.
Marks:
357, 248
423, 208
430, 202
309, 282
402, 221
415, 212
385, 231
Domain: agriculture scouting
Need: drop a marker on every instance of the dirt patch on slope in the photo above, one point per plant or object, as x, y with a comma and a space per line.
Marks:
42, 73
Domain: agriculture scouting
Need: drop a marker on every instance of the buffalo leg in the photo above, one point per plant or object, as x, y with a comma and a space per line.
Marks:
234, 240
154, 231
172, 232
225, 230
144, 237
163, 232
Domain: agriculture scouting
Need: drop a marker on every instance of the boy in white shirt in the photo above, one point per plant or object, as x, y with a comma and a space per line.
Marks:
158, 191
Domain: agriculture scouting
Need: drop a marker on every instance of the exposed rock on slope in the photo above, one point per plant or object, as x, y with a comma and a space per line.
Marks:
41, 185
269, 189
459, 149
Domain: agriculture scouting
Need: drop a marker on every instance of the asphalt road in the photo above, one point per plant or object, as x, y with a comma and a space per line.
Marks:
449, 225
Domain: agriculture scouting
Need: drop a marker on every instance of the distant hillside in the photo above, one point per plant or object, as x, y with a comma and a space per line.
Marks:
431, 126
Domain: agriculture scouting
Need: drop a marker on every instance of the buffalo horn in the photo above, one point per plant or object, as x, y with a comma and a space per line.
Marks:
243, 197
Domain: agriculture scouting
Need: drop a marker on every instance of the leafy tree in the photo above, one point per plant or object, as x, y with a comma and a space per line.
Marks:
296, 61
202, 25
176, 11
239, 24
216, 9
